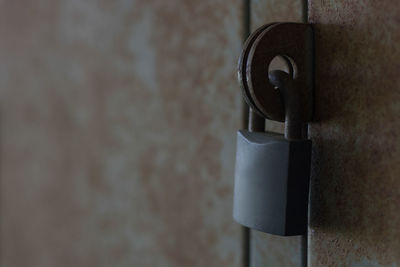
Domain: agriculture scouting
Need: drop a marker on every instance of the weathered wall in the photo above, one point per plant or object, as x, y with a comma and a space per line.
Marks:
355, 187
269, 250
355, 196
117, 131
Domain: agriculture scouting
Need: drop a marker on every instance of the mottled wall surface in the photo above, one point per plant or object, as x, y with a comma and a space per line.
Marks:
266, 249
355, 197
117, 131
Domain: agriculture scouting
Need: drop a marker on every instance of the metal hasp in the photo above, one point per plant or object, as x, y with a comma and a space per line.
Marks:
272, 171
293, 41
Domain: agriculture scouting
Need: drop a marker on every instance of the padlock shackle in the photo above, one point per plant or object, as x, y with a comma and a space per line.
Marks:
295, 127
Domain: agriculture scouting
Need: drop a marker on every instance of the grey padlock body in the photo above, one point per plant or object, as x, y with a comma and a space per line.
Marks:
271, 183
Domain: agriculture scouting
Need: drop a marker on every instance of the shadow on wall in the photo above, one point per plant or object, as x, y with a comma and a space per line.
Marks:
355, 168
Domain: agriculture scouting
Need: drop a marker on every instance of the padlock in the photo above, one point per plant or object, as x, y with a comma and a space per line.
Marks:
271, 183
272, 171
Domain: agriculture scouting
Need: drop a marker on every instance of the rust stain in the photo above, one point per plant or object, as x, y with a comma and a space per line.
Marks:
355, 187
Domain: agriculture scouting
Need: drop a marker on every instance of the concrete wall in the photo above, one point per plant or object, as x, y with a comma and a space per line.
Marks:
117, 132
355, 191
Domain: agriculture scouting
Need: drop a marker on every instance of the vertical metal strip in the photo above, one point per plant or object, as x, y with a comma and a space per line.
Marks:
305, 11
246, 124
245, 246
299, 131
304, 238
246, 33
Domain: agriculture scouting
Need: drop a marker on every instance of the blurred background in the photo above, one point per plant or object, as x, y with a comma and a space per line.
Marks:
118, 122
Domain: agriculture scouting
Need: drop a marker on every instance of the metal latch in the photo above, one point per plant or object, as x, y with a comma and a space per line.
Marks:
272, 172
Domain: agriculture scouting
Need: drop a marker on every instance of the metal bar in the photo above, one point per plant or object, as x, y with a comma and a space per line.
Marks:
245, 246
304, 251
304, 238
298, 130
256, 122
246, 115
